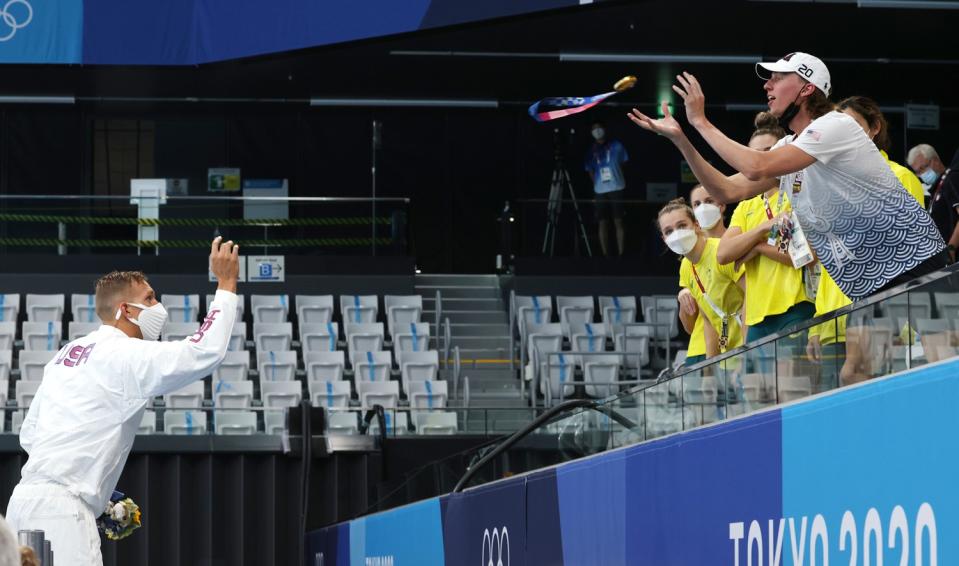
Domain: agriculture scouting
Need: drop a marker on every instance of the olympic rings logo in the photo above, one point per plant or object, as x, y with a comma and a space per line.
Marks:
495, 543
11, 21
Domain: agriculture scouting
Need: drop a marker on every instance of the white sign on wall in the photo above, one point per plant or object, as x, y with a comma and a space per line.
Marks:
266, 268
922, 116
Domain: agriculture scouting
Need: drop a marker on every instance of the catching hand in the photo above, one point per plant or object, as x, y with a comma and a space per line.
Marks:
693, 98
225, 263
667, 126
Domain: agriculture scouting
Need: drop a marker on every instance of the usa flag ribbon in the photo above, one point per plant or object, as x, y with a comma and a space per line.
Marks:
560, 107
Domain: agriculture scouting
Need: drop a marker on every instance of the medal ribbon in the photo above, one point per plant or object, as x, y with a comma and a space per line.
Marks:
559, 107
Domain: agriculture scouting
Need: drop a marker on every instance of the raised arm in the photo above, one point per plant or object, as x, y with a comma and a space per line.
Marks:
753, 164
156, 368
726, 189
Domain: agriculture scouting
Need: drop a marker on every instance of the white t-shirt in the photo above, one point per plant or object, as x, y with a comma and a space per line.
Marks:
865, 228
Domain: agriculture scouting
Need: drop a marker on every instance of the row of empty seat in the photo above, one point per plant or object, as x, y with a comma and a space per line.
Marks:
399, 309
359, 337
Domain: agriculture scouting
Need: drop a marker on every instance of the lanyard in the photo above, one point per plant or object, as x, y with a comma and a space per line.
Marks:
724, 331
769, 210
596, 156
935, 195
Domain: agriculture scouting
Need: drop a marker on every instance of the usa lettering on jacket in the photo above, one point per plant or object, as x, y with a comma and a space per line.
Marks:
72, 357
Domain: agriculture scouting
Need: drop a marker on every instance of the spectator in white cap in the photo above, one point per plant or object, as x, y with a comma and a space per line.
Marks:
867, 231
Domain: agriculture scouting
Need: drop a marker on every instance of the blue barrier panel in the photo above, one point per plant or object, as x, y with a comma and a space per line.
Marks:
872, 470
592, 504
684, 491
544, 540
408, 535
864, 475
487, 521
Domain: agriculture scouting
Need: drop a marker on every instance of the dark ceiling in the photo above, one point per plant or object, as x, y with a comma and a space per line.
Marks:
852, 40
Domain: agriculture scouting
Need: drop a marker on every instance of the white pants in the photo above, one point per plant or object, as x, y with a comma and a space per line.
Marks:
66, 521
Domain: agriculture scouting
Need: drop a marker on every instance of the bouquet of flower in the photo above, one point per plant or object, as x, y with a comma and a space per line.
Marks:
120, 518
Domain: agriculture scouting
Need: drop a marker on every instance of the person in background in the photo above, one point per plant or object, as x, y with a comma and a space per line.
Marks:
943, 186
716, 289
711, 218
865, 111
604, 164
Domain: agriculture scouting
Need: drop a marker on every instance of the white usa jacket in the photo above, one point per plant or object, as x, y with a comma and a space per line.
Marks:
82, 422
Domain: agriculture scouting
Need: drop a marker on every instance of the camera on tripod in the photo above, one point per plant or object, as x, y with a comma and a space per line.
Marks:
561, 185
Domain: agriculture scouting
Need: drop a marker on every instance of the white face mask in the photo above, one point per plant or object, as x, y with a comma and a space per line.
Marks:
151, 320
682, 241
707, 215
598, 133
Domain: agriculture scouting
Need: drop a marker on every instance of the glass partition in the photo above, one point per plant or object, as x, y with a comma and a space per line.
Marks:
900, 329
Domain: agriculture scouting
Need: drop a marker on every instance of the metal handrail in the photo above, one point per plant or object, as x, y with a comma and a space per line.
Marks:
539, 421
519, 435
447, 342
437, 312
457, 371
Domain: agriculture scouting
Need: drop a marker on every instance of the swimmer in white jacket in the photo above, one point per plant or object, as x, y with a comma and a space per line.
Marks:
82, 422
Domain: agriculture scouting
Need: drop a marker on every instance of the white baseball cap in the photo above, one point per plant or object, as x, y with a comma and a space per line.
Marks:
805, 65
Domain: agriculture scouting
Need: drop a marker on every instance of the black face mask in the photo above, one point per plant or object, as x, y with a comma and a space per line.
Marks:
788, 114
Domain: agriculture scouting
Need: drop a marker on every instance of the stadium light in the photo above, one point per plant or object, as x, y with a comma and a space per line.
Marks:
37, 100
587, 57
404, 102
910, 4
656, 58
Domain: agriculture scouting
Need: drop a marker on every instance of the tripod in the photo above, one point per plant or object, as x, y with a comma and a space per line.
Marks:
559, 185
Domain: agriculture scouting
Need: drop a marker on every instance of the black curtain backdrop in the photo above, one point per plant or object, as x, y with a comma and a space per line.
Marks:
459, 166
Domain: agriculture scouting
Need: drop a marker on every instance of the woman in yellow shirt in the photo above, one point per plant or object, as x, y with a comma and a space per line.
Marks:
711, 218
827, 341
716, 289
865, 111
776, 297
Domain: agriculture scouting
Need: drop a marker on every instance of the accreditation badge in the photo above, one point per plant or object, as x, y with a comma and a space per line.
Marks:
799, 251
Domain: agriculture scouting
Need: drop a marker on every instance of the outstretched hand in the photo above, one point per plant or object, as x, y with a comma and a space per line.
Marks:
666, 126
693, 98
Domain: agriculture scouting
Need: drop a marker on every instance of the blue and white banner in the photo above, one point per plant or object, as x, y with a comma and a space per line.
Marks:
862, 476
41, 31
191, 32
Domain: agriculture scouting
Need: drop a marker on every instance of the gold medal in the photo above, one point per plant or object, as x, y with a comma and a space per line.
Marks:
625, 83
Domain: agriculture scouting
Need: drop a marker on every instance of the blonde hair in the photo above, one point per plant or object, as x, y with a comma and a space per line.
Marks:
113, 286
767, 124
672, 206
